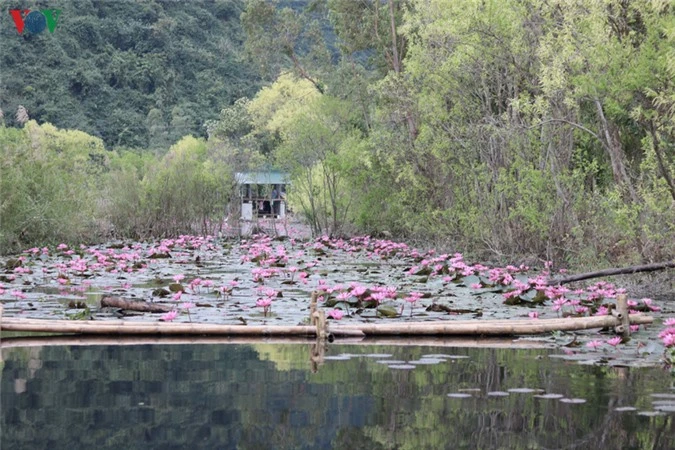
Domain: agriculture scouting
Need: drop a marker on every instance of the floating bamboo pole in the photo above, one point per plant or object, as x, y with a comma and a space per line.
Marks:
445, 328
425, 341
160, 328
492, 327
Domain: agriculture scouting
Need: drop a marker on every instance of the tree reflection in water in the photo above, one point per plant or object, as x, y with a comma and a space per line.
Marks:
252, 396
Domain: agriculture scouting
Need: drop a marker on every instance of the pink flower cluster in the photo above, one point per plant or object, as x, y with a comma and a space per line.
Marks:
266, 297
363, 293
667, 336
259, 250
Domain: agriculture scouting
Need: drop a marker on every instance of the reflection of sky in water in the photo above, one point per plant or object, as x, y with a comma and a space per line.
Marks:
266, 396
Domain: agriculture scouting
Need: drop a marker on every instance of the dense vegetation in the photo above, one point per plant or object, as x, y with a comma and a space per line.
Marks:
136, 74
515, 128
63, 185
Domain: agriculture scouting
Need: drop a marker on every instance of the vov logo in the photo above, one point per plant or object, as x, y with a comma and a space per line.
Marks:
35, 21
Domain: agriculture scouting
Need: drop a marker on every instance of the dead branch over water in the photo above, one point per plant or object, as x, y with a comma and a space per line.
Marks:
610, 272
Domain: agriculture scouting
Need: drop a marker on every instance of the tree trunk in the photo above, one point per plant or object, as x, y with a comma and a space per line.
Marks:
394, 45
613, 147
397, 65
665, 172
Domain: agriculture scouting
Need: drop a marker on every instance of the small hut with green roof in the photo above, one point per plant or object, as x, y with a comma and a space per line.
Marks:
263, 194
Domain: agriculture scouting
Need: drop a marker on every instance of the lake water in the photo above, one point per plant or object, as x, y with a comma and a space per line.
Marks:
301, 396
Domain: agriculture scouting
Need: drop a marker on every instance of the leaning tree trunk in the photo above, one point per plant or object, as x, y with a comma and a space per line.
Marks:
613, 147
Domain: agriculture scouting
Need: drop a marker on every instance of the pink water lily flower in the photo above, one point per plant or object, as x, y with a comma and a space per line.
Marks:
614, 341
265, 304
336, 314
358, 290
186, 306
343, 296
668, 340
170, 316
594, 344
18, 294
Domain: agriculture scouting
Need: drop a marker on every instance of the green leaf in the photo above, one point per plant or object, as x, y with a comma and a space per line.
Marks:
387, 310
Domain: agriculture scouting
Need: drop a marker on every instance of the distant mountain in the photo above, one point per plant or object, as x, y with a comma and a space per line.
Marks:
137, 74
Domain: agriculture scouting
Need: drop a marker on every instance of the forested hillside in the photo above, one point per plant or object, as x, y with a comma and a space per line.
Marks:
136, 74
532, 128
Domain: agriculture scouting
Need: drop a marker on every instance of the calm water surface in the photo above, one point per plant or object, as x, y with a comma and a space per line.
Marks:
282, 396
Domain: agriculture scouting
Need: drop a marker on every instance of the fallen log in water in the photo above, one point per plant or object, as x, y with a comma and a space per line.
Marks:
610, 272
134, 305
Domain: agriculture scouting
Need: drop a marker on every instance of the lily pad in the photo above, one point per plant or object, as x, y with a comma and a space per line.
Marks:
573, 400
550, 396
161, 292
176, 287
387, 310
625, 408
427, 361
471, 280
165, 255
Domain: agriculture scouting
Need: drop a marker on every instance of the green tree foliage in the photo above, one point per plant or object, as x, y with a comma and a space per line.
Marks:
63, 186
535, 128
189, 189
316, 150
513, 127
285, 38
525, 103
135, 74
364, 31
48, 184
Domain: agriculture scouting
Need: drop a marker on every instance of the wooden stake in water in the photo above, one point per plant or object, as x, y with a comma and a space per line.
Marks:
622, 309
1, 359
312, 309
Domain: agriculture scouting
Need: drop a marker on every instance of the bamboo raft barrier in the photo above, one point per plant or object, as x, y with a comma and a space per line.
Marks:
424, 341
620, 320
